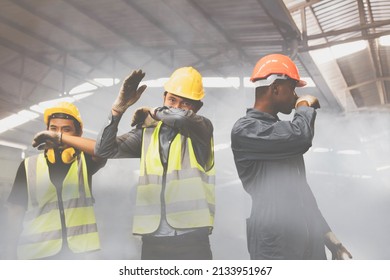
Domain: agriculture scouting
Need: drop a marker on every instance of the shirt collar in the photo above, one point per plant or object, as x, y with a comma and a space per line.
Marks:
256, 114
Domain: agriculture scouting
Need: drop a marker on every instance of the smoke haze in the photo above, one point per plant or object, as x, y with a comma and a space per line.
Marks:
347, 169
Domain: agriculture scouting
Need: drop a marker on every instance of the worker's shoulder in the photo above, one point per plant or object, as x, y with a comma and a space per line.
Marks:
245, 121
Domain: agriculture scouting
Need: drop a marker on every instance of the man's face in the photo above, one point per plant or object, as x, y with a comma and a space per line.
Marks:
286, 96
66, 126
174, 101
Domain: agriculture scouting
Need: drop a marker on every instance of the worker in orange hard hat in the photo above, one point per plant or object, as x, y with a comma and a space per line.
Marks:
52, 194
285, 222
175, 198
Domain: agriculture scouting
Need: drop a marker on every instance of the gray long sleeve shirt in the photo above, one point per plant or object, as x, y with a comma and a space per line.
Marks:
285, 221
128, 145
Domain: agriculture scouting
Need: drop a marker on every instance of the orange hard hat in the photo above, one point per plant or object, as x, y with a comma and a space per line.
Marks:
275, 66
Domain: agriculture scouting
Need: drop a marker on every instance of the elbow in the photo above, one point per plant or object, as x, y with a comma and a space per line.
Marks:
306, 136
302, 141
98, 153
104, 153
306, 144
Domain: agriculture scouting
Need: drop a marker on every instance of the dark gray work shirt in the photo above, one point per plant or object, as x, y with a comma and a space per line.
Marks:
128, 145
285, 221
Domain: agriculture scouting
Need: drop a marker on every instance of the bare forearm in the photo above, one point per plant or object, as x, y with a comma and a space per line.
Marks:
83, 144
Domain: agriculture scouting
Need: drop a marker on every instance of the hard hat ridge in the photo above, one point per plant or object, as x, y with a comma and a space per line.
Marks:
275, 66
63, 108
186, 82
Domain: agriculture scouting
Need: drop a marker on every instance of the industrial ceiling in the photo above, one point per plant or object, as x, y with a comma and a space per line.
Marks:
50, 47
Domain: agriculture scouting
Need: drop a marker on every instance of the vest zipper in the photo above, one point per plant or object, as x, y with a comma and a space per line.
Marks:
164, 182
162, 196
62, 217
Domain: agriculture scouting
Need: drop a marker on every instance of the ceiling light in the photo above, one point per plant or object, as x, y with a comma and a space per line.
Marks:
16, 119
321, 150
322, 55
384, 40
83, 88
36, 108
348, 48
334, 52
107, 82
42, 106
26, 115
381, 168
82, 95
208, 82
345, 175
221, 146
349, 152
156, 83
53, 102
219, 82
13, 145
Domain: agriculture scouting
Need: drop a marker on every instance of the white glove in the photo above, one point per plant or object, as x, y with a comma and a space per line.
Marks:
311, 100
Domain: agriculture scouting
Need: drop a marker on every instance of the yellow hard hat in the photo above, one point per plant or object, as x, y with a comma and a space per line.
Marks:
185, 82
64, 108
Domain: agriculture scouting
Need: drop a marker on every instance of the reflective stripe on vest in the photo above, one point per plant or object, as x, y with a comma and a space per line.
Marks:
189, 190
42, 232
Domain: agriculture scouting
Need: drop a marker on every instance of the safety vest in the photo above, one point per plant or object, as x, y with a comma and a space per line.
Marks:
186, 188
42, 231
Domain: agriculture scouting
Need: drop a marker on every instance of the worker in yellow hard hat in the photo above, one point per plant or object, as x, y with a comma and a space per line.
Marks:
52, 194
285, 222
175, 197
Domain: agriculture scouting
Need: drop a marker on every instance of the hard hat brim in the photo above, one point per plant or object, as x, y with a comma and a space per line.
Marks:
54, 110
272, 78
301, 83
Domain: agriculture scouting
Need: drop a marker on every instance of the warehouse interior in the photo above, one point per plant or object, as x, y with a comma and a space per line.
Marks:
81, 50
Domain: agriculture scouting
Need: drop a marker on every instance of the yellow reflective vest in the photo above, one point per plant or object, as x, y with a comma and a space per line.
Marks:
184, 186
42, 231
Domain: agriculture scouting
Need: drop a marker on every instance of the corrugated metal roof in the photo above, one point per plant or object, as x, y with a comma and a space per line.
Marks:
328, 23
49, 47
